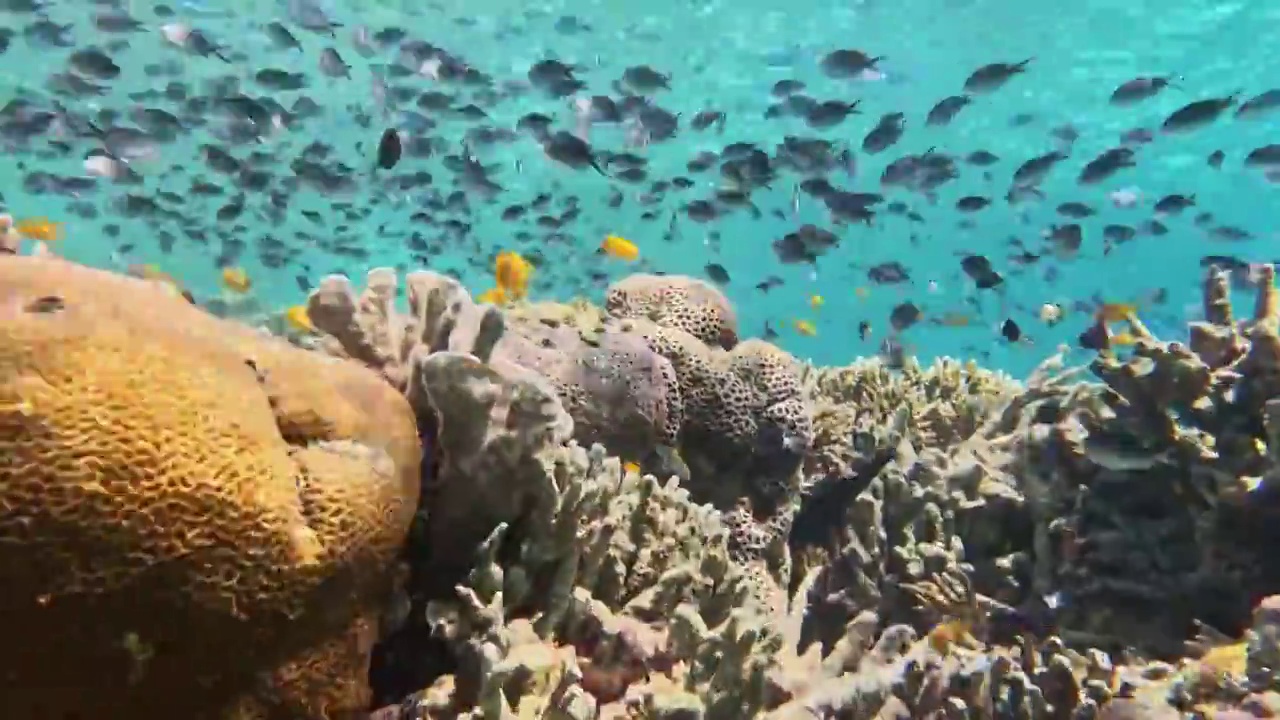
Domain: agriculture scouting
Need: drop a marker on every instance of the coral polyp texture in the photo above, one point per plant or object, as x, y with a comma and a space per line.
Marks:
196, 520
621, 512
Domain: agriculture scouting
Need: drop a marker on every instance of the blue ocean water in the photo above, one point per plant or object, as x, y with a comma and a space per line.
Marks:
725, 56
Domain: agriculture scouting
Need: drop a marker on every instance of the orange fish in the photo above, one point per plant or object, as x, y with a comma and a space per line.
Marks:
492, 296
619, 247
38, 228
861, 292
512, 273
949, 633
236, 280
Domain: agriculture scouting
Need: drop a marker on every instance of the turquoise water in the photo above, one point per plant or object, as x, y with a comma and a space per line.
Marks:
727, 56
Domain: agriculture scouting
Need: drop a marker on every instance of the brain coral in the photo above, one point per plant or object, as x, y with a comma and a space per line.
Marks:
196, 521
678, 302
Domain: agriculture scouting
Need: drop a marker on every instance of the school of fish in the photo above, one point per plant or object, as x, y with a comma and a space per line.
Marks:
305, 145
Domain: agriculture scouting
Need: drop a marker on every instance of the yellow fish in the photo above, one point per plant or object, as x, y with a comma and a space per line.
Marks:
816, 301
631, 467
952, 319
861, 292
806, 328
1116, 312
512, 273
298, 319
493, 296
236, 280
1226, 659
1123, 339
154, 273
38, 228
619, 247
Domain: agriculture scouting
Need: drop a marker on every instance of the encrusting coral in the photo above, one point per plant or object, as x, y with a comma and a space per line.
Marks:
196, 520
963, 542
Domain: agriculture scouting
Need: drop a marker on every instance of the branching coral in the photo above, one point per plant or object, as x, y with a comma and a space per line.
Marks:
1166, 477
863, 411
198, 521
626, 590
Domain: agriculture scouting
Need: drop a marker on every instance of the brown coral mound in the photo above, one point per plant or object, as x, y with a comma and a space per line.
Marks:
678, 302
196, 521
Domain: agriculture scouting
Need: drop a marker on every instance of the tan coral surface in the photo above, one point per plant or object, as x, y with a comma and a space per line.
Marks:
195, 520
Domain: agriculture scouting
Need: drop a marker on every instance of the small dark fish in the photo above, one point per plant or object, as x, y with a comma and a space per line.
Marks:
1010, 331
332, 65
645, 80
281, 80
1138, 89
1066, 240
864, 330
94, 63
979, 269
972, 203
946, 110
904, 315
1075, 210
982, 158
1230, 233
829, 113
1174, 204
116, 21
1094, 337
1196, 115
769, 283
716, 273
888, 273
990, 78
706, 119
885, 134
1119, 233
845, 64
1154, 228
1108, 163
783, 88
1215, 159
281, 37
571, 150
1137, 136
1259, 105
1033, 171
389, 149
1267, 156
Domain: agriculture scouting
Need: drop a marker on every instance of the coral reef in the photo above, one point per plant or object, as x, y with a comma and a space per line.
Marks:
641, 388
628, 512
196, 520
